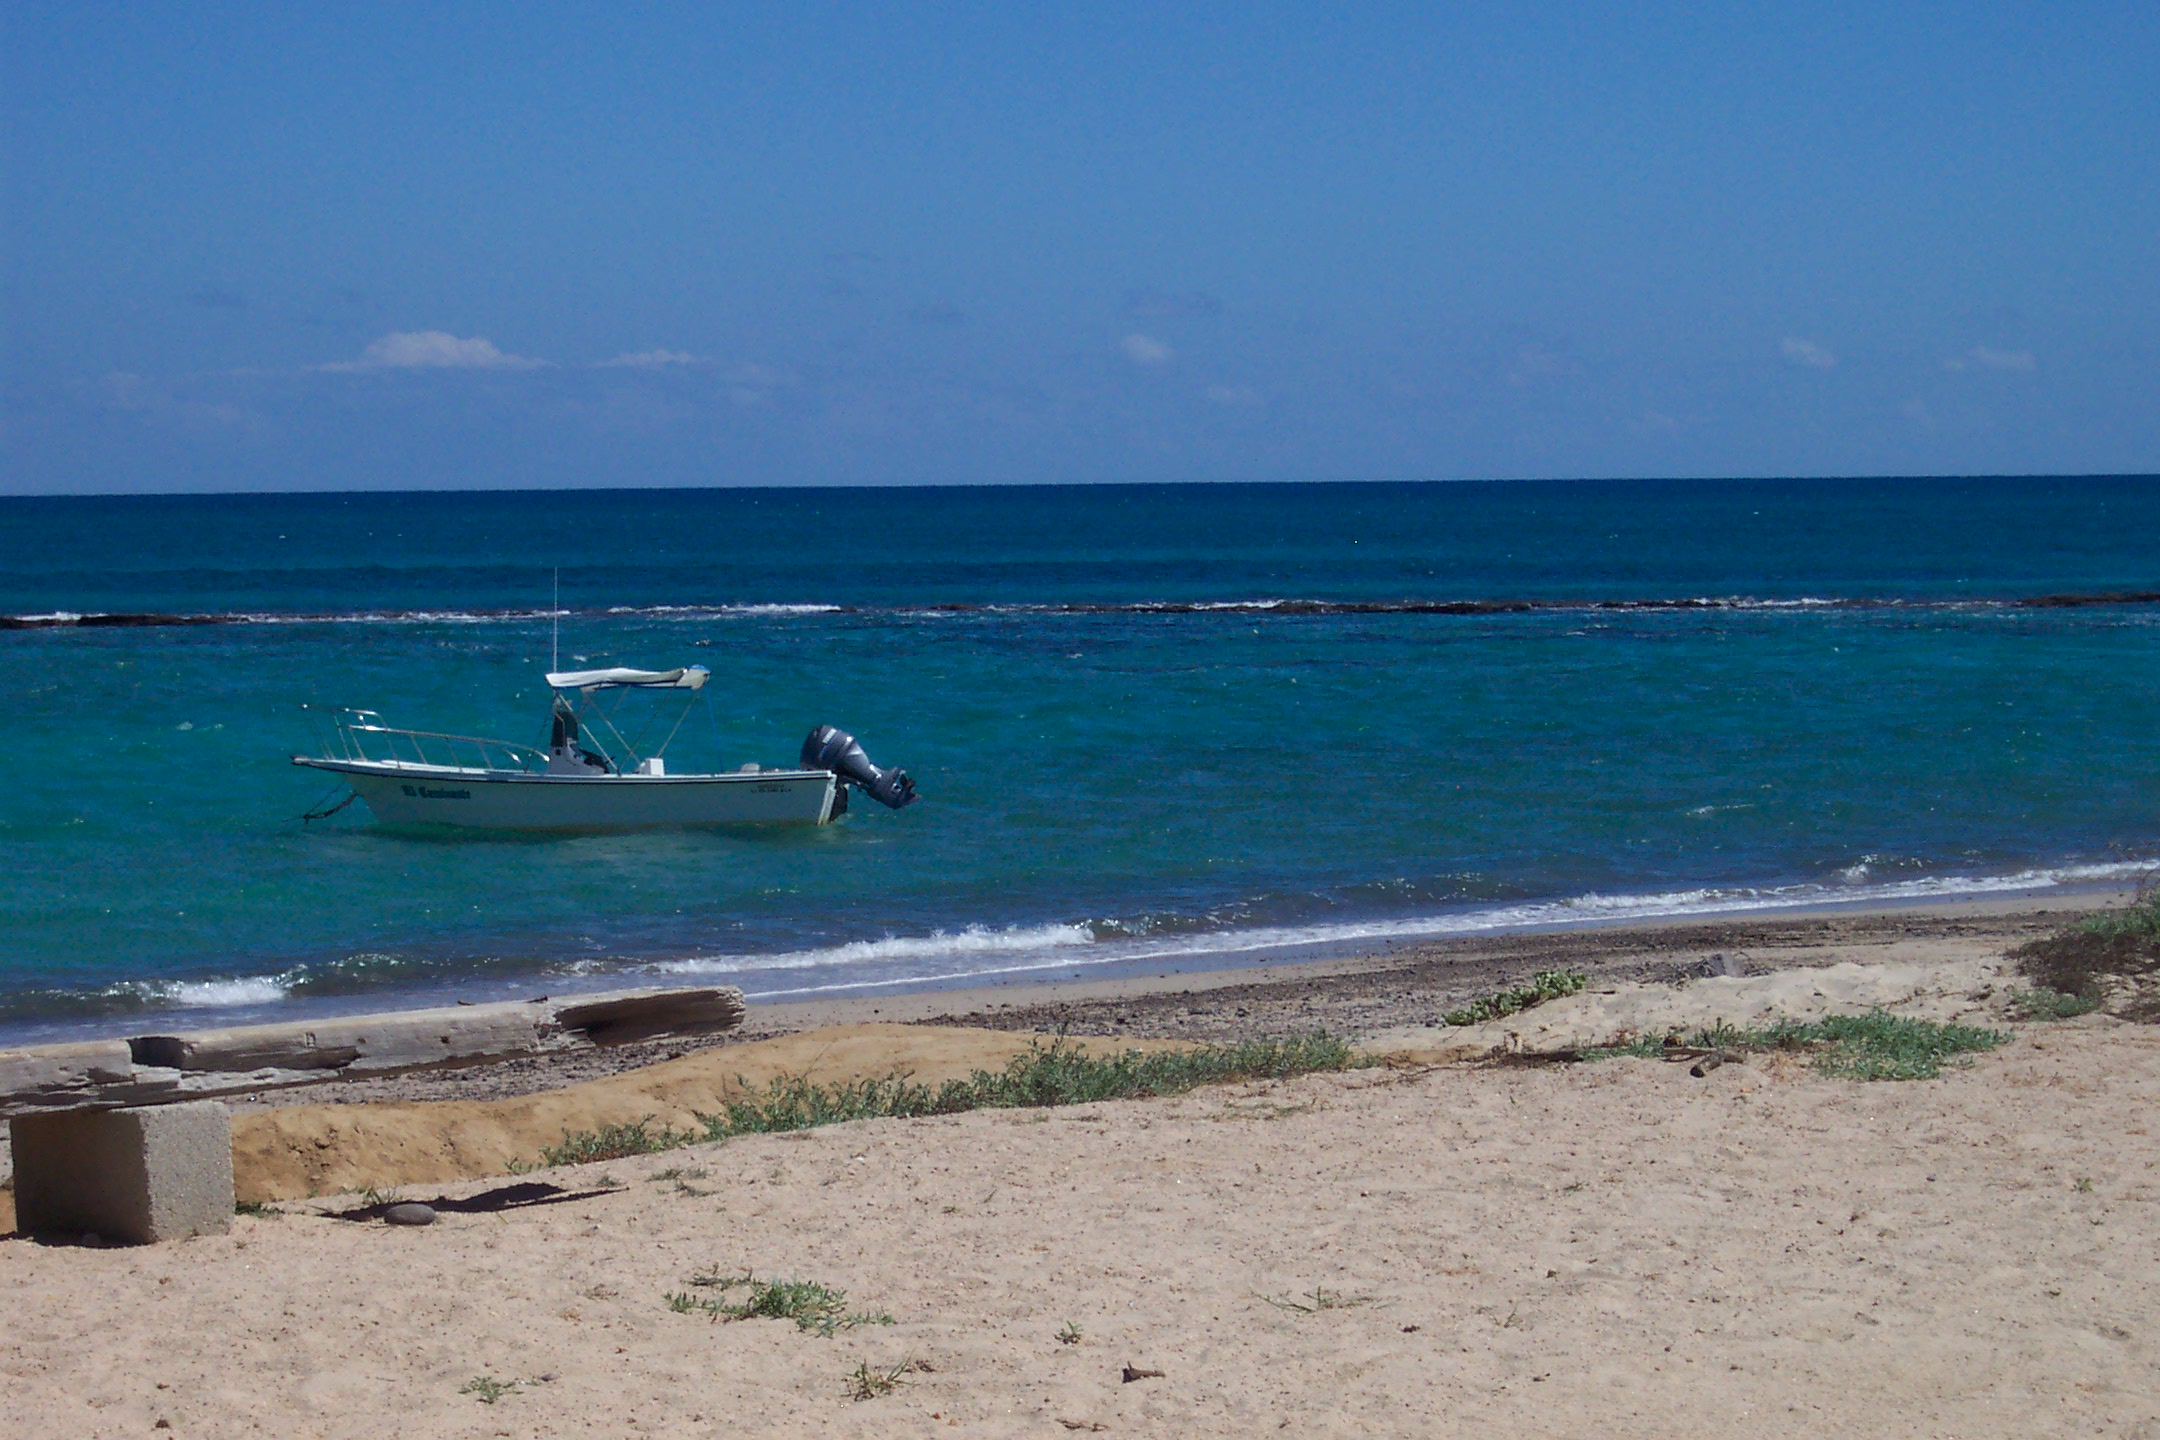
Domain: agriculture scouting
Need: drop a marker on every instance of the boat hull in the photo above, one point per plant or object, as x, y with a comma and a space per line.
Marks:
400, 794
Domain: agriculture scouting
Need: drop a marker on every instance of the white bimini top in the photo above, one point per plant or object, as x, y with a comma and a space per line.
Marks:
690, 678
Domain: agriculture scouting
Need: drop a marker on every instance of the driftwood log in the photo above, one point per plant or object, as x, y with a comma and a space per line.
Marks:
204, 1064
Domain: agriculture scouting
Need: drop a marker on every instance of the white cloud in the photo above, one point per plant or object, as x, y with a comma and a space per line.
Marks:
433, 350
652, 360
752, 384
1238, 395
1145, 349
152, 401
1983, 358
1808, 353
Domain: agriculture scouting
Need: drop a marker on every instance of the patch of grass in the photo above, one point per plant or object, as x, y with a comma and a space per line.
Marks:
1879, 1046
2106, 945
2140, 919
682, 1176
812, 1306
1874, 1046
2084, 1185
1068, 1334
1059, 1073
678, 1173
487, 1389
2050, 1005
792, 1102
868, 1384
1543, 986
615, 1142
260, 1209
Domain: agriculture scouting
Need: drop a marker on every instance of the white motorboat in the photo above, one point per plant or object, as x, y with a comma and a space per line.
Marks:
590, 777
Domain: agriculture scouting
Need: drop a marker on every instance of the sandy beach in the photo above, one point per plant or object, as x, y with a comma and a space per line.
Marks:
1466, 1238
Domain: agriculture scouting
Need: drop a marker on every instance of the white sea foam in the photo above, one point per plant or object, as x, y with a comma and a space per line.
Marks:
397, 617
202, 994
938, 945
981, 953
778, 610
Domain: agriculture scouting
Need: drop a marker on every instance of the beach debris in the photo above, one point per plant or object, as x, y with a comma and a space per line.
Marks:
161, 1069
131, 1176
1699, 1059
1134, 1372
1317, 1301
409, 1212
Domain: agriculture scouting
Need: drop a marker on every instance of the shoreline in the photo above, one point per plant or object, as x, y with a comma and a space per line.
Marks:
1391, 991
1256, 950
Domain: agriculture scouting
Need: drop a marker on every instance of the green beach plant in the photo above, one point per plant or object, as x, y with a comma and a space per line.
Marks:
869, 1384
1057, 1073
1545, 985
2139, 920
487, 1389
812, 1306
1874, 1046
2050, 1005
615, 1142
2080, 960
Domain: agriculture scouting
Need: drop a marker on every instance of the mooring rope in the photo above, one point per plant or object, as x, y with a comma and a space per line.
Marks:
350, 796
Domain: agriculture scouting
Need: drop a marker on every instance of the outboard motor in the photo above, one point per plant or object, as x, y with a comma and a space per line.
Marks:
836, 750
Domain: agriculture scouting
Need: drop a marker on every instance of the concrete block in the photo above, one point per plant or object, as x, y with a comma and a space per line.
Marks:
161, 1172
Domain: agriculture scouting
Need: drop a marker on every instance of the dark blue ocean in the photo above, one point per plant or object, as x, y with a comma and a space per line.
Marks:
1161, 725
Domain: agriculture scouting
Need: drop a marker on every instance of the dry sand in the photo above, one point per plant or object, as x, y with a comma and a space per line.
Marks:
1586, 1250
1594, 1249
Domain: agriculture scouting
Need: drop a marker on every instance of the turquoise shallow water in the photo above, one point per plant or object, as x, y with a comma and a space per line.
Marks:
1148, 723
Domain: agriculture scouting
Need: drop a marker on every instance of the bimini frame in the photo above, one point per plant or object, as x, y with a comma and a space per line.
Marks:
582, 702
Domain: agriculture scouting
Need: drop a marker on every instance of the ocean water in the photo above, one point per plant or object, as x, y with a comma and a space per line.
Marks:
1151, 725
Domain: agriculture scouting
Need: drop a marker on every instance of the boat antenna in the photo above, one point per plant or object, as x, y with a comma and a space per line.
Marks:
555, 625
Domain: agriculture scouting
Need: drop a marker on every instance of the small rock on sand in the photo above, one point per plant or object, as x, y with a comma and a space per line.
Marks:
411, 1212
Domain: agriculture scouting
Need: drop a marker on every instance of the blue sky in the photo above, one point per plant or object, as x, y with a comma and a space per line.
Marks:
360, 246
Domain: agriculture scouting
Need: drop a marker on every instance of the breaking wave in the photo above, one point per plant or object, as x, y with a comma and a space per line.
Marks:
973, 953
67, 619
